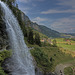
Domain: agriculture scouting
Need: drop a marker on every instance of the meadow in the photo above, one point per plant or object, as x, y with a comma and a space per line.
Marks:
53, 55
67, 46
48, 57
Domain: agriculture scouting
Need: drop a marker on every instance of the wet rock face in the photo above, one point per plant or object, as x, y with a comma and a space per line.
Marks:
5, 66
3, 33
38, 71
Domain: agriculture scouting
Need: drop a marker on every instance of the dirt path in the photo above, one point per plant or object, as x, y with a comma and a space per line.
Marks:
59, 70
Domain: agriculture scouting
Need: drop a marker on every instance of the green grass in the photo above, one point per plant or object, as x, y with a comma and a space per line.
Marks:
66, 45
68, 71
47, 57
54, 55
41, 35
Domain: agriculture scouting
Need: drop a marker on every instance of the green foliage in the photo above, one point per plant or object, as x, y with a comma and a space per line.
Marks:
54, 43
27, 31
9, 2
3, 0
2, 71
41, 59
73, 39
30, 37
18, 15
68, 71
46, 31
61, 42
55, 56
12, 1
37, 39
44, 44
3, 55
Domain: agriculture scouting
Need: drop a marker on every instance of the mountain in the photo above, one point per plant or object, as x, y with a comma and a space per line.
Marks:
45, 30
72, 34
68, 35
40, 28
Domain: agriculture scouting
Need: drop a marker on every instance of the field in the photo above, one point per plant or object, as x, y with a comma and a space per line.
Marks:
55, 56
67, 46
46, 56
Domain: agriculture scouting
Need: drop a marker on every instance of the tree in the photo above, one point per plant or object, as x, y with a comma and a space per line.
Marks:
30, 37
37, 39
3, 0
54, 43
16, 5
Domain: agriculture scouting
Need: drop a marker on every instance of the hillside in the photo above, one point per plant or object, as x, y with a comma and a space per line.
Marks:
40, 28
45, 55
45, 30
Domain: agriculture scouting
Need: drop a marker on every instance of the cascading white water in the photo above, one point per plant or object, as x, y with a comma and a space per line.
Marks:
22, 62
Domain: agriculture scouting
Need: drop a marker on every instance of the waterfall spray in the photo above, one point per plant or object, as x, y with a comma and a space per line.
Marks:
21, 60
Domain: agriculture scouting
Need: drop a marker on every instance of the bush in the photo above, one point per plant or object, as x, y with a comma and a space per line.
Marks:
68, 71
41, 59
3, 55
2, 72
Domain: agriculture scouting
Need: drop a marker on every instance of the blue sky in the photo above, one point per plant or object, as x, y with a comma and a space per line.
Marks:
58, 15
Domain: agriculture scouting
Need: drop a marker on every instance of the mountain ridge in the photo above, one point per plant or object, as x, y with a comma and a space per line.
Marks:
40, 28
45, 30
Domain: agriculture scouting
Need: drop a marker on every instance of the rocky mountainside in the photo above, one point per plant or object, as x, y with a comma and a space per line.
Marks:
42, 29
45, 30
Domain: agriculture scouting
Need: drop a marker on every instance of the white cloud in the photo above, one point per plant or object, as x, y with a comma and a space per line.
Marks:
70, 3
73, 16
58, 11
39, 20
24, 1
39, 0
64, 25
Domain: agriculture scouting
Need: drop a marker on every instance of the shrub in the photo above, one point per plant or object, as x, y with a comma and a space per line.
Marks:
3, 55
41, 59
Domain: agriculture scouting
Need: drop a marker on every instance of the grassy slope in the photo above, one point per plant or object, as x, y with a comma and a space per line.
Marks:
67, 47
52, 52
68, 71
56, 55
65, 44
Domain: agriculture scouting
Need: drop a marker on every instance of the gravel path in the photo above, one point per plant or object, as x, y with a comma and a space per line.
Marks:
59, 70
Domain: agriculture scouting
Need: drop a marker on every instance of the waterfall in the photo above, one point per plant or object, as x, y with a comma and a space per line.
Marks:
21, 61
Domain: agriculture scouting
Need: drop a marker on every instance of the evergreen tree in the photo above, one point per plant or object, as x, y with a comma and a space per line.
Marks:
24, 31
16, 5
37, 39
30, 37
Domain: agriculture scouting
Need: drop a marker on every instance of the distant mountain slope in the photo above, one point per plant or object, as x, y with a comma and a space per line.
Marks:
42, 29
68, 35
72, 34
45, 30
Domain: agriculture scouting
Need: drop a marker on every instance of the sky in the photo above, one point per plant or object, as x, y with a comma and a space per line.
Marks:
58, 15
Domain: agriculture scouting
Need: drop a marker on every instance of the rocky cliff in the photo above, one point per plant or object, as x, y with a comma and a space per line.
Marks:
3, 34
